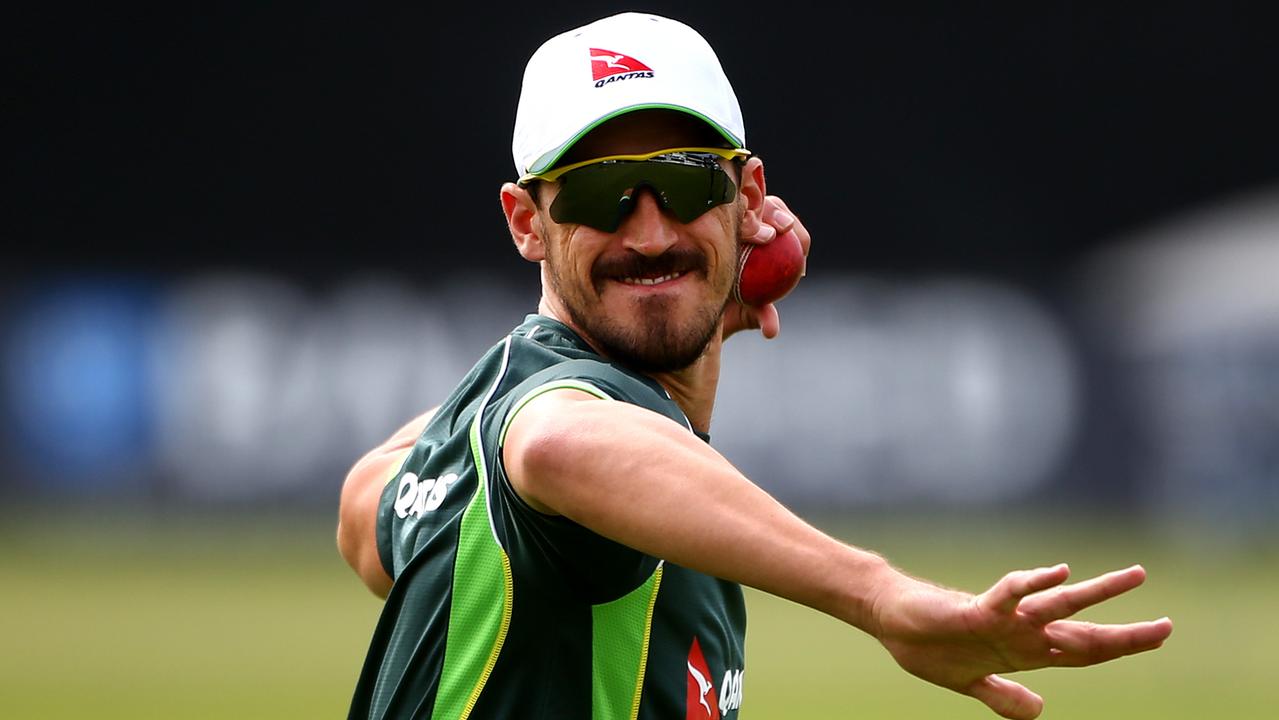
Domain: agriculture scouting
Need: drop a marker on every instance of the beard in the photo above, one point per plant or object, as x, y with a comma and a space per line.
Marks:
658, 341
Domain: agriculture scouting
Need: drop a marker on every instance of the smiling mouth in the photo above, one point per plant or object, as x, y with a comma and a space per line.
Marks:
650, 281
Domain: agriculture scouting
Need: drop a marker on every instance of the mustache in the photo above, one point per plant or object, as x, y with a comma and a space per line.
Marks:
675, 260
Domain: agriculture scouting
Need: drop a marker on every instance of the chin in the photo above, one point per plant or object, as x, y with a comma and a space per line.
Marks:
655, 341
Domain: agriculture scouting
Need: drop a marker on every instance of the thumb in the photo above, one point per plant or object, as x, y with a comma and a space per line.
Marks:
1007, 698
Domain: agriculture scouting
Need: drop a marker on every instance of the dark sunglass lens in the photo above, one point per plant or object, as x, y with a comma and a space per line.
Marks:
595, 196
691, 192
600, 195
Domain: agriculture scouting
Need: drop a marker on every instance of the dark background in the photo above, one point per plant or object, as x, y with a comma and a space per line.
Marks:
311, 138
310, 147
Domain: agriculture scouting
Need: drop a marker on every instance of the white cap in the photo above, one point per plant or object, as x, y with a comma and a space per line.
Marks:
626, 62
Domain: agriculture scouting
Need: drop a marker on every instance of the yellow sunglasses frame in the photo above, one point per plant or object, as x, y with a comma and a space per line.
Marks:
555, 173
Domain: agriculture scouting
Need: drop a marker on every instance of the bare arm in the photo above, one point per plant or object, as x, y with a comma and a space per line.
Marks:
637, 478
357, 509
640, 479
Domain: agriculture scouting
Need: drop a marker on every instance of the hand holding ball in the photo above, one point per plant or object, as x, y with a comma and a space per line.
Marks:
766, 273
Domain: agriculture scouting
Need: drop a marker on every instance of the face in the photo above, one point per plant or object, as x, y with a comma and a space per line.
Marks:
651, 294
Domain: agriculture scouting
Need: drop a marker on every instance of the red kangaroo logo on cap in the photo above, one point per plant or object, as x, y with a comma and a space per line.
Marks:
702, 703
607, 62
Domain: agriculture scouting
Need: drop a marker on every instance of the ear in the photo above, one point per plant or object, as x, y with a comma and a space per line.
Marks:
523, 221
753, 192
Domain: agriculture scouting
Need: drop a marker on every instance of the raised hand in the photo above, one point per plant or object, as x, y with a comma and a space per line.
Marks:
777, 220
961, 641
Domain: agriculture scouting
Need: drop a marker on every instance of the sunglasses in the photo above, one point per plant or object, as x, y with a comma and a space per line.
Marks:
599, 193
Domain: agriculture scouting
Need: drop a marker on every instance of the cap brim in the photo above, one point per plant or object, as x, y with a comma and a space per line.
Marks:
551, 157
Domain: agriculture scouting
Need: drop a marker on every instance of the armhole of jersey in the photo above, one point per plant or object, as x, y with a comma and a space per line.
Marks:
566, 384
542, 389
382, 529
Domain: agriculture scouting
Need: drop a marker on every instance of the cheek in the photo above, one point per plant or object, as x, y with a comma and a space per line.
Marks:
569, 251
577, 246
722, 225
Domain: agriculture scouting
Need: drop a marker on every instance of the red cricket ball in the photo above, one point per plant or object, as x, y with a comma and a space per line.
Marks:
766, 273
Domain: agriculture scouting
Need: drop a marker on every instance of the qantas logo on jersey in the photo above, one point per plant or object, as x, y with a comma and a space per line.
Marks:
608, 66
703, 702
415, 496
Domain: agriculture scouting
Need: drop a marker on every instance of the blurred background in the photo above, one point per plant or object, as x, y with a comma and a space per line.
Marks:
244, 242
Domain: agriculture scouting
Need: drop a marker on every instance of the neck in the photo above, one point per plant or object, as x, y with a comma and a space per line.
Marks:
692, 388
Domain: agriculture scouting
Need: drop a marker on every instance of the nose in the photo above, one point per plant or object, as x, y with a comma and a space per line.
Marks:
647, 229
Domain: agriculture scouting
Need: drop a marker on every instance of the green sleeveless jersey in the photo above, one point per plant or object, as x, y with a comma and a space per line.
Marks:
500, 611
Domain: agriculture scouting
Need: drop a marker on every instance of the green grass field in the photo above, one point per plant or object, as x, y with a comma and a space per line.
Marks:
129, 617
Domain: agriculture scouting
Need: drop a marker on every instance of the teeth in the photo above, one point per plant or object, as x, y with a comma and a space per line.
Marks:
650, 281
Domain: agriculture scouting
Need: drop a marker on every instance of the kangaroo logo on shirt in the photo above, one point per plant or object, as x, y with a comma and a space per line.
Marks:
701, 692
703, 703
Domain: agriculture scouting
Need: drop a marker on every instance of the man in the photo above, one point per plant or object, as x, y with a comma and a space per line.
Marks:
558, 539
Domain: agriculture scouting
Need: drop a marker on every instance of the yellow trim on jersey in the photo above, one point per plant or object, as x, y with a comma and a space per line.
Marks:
462, 678
509, 587
545, 388
648, 631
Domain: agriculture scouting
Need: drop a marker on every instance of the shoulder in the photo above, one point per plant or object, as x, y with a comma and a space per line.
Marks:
546, 350
598, 377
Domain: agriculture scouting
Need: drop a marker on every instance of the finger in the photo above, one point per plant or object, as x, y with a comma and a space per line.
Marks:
776, 214
805, 239
1078, 643
1070, 599
765, 234
1014, 586
739, 317
770, 322
1007, 698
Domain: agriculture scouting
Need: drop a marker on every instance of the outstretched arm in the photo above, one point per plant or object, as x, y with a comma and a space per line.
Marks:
361, 492
644, 481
